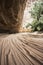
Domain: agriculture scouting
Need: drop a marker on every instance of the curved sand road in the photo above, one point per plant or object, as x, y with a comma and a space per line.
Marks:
21, 49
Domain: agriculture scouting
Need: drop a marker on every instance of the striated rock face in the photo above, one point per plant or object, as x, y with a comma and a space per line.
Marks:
21, 49
11, 14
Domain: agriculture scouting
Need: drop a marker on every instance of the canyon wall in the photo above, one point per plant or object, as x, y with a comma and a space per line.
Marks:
11, 14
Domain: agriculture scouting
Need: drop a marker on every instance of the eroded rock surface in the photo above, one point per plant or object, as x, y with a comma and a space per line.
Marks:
11, 14
21, 49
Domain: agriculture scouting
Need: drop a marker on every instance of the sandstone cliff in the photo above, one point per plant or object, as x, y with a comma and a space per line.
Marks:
11, 14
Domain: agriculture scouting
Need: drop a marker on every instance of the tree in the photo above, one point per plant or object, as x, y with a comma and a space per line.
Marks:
37, 15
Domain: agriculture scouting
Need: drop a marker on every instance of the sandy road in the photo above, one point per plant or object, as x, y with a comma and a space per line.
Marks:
21, 49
